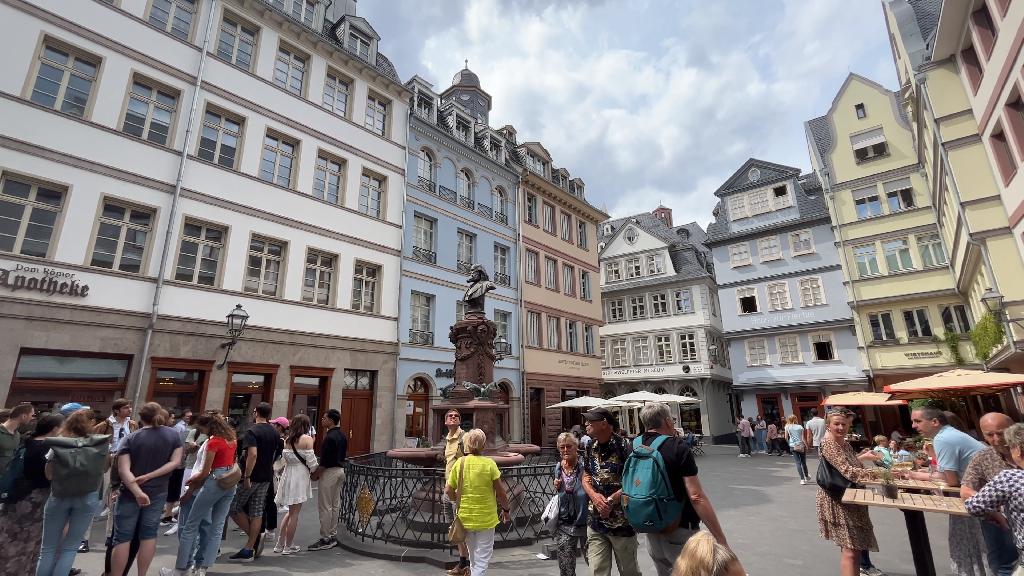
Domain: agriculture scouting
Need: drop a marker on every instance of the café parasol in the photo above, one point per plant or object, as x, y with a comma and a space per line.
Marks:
644, 396
862, 399
958, 382
587, 402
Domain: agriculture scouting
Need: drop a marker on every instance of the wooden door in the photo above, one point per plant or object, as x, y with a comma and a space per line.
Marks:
537, 416
356, 420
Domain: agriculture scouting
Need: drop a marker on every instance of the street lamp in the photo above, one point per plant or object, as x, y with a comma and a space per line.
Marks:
992, 300
502, 348
237, 319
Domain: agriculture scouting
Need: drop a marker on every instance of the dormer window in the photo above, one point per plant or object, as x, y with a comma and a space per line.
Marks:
463, 130
869, 145
358, 44
535, 164
495, 150
781, 197
425, 106
576, 189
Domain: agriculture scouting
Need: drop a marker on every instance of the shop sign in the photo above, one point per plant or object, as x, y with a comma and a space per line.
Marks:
642, 371
440, 373
922, 355
48, 281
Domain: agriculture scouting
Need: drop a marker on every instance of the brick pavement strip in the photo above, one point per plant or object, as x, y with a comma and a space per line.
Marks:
768, 517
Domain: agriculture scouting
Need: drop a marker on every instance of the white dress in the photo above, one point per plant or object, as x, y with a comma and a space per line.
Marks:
295, 486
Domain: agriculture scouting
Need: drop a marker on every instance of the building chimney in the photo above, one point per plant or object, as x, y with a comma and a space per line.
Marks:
664, 214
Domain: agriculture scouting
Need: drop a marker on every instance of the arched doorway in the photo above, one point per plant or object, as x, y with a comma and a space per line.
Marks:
689, 414
417, 408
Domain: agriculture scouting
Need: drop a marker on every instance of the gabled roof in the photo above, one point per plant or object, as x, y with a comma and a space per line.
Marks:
537, 147
926, 12
362, 24
810, 205
768, 172
690, 257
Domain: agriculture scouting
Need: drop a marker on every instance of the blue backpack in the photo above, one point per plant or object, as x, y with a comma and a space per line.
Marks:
647, 496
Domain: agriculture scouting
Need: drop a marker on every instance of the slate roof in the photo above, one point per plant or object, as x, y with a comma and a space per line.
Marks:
383, 64
690, 257
926, 12
821, 133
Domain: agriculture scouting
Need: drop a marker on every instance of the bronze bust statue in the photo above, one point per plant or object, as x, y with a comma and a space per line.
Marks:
480, 285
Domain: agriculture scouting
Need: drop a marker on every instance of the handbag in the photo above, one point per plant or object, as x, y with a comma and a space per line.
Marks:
550, 515
457, 532
830, 480
230, 478
800, 447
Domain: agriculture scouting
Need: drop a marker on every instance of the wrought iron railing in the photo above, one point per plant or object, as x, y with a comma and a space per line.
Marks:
464, 267
501, 279
427, 184
391, 501
448, 194
501, 218
484, 210
421, 337
467, 202
424, 255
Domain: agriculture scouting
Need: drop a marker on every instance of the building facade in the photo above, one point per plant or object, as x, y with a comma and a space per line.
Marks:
952, 60
786, 318
911, 319
460, 211
663, 330
149, 233
561, 313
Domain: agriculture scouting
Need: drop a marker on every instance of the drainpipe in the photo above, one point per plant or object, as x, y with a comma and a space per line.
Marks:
524, 397
401, 266
165, 256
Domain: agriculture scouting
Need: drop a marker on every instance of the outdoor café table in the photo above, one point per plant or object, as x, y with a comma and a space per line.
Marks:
925, 485
913, 506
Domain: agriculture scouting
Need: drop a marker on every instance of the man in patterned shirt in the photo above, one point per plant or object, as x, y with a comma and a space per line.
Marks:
1002, 554
1006, 492
609, 532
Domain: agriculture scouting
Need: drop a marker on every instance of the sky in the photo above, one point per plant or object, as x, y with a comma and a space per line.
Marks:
648, 101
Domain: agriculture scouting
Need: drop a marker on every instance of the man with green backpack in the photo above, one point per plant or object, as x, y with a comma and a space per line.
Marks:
661, 494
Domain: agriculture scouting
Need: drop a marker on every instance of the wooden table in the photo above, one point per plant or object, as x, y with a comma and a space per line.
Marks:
920, 485
913, 507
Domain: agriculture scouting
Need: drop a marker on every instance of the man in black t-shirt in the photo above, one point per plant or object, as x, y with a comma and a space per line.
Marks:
664, 547
329, 476
260, 443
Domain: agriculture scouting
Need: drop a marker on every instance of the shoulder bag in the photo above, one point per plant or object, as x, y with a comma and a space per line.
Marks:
830, 480
230, 478
457, 532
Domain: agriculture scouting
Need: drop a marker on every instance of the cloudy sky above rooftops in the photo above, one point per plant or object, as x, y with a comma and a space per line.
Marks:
649, 101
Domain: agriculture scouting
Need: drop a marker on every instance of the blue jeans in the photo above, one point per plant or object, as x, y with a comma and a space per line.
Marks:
204, 522
58, 551
801, 464
760, 435
1002, 552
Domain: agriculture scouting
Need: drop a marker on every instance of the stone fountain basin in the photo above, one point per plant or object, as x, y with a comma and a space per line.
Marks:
433, 457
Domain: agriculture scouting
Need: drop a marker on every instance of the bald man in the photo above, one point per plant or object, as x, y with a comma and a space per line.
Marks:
1002, 553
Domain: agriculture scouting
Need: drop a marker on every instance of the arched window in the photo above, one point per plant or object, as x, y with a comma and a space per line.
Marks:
660, 390
499, 201
425, 169
464, 183
689, 414
417, 408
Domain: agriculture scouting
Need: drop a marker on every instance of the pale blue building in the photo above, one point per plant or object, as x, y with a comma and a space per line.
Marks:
460, 210
785, 314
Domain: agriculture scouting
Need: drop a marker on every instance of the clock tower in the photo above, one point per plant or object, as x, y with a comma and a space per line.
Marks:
466, 90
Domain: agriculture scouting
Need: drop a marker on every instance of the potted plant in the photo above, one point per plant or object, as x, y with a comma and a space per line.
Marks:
889, 489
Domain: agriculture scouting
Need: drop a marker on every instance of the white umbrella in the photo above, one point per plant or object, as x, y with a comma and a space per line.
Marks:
681, 399
644, 396
585, 402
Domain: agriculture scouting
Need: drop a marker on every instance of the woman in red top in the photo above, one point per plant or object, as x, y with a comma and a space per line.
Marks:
205, 505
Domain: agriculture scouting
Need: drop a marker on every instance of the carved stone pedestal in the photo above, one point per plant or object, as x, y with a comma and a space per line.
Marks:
474, 349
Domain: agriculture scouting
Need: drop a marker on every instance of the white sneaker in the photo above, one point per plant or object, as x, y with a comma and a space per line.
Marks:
803, 482
172, 530
174, 572
105, 513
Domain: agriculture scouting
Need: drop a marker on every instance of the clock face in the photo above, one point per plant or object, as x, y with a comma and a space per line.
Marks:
631, 235
754, 175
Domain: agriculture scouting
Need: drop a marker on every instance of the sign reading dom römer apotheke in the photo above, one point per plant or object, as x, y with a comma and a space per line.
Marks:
648, 371
44, 280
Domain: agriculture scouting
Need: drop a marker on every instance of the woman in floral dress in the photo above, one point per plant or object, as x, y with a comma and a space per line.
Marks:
848, 525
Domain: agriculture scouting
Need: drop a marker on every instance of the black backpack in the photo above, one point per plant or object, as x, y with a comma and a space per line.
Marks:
13, 486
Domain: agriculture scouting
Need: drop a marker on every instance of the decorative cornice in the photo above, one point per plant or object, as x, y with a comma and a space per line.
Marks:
409, 198
547, 249
877, 177
446, 284
784, 275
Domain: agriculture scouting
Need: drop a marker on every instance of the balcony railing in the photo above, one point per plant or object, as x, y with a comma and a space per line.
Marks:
424, 255
448, 194
501, 279
467, 202
501, 218
484, 210
427, 184
463, 267
421, 337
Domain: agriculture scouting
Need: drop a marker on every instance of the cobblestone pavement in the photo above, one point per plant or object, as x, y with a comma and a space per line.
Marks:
768, 517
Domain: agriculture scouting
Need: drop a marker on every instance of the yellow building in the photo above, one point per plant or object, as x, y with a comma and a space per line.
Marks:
561, 312
900, 282
958, 67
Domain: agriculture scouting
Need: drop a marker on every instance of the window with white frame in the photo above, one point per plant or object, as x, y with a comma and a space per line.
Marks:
302, 10
778, 296
688, 346
655, 264
554, 333
533, 328
278, 159
900, 198
499, 201
572, 336
641, 350
789, 349
917, 322
758, 202
616, 310
549, 218
263, 269
869, 145
371, 194
897, 255
328, 176
464, 183
881, 326
638, 307
64, 79
612, 272
932, 253
659, 304
531, 209
501, 262
28, 215
781, 197
421, 315
199, 253
811, 291
955, 318
358, 44
220, 138
376, 115
739, 254
604, 354
585, 291
568, 280
588, 339
174, 16
460, 310
150, 112
746, 300
582, 239
318, 278
867, 260
822, 346
550, 273
683, 300
738, 206
867, 202
502, 319
365, 282
768, 248
757, 352
801, 242
619, 352
236, 42
532, 267
290, 70
566, 222
633, 269
663, 349
121, 237
337, 89
535, 164
465, 249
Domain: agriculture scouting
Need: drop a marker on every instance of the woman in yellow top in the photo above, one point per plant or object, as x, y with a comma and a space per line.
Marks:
482, 493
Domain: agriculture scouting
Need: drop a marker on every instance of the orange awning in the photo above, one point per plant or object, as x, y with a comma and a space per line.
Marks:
862, 399
958, 382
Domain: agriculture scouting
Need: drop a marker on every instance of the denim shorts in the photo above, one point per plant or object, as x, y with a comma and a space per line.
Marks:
130, 519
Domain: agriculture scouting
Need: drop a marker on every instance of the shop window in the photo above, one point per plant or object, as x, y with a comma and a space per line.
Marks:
417, 408
49, 378
179, 385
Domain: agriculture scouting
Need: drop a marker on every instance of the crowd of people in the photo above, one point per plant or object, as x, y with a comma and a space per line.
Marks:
59, 470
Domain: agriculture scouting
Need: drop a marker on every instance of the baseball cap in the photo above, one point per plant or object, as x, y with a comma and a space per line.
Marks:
598, 414
70, 407
281, 421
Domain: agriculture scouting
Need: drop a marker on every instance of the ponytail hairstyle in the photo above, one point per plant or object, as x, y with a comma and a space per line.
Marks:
703, 556
297, 428
215, 426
